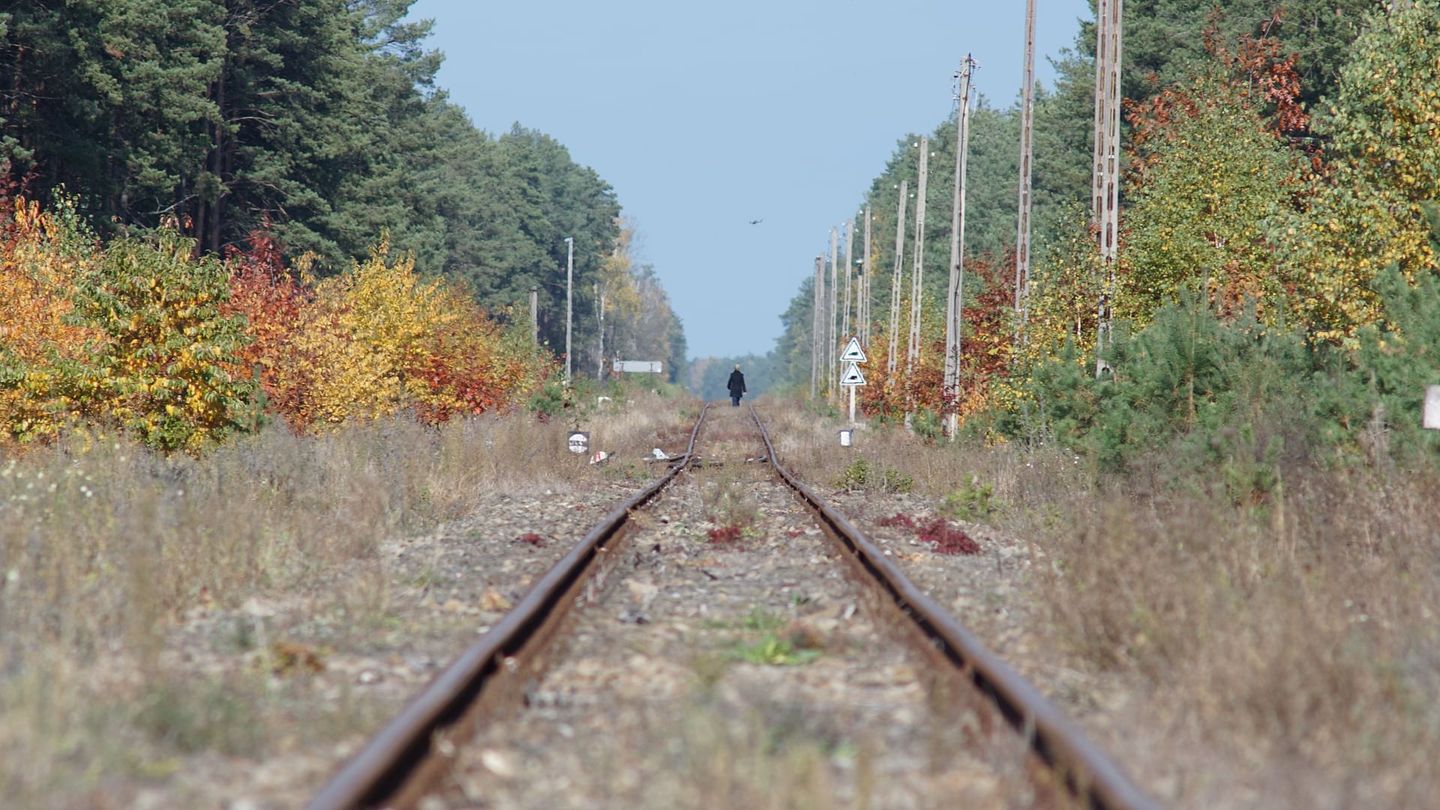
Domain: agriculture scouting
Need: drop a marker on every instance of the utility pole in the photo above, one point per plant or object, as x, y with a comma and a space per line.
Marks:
535, 315
1106, 203
834, 313
817, 355
600, 320
1027, 155
954, 305
849, 271
569, 301
895, 280
912, 354
865, 282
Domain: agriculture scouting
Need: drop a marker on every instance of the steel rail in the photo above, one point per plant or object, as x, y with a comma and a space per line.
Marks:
1087, 770
383, 768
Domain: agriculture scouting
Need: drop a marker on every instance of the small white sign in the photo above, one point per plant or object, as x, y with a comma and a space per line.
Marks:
638, 366
853, 352
847, 437
1432, 407
852, 375
579, 443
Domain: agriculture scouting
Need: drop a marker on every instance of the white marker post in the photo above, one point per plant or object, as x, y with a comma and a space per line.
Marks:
1431, 417
851, 377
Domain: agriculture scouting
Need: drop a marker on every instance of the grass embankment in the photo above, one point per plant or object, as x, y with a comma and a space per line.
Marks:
1274, 651
106, 547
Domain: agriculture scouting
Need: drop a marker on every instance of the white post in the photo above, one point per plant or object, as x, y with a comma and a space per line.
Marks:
569, 301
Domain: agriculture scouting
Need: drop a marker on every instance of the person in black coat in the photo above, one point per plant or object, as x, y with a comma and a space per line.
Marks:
736, 386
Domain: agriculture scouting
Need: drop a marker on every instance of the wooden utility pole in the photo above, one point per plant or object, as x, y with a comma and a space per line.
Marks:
895, 279
1106, 203
831, 383
954, 303
865, 282
912, 354
1027, 154
845, 332
817, 308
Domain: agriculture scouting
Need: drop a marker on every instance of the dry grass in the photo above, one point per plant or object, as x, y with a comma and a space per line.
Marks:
809, 446
1285, 654
1298, 643
103, 546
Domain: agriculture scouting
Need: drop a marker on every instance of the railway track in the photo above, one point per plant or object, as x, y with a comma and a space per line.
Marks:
885, 665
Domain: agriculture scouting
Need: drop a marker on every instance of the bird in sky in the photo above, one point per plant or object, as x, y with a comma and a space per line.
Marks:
757, 221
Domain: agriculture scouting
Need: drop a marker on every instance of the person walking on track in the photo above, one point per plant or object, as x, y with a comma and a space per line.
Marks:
736, 386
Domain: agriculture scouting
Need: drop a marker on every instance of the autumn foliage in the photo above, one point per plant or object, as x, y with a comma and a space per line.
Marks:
182, 350
373, 341
40, 259
985, 351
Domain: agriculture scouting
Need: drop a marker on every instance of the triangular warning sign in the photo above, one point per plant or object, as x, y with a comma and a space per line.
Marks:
853, 352
852, 375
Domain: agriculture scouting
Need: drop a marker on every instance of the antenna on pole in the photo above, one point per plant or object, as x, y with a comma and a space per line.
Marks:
954, 304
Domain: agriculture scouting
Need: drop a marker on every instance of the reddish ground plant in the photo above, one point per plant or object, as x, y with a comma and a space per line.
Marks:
947, 539
724, 535
531, 538
794, 533
937, 532
899, 519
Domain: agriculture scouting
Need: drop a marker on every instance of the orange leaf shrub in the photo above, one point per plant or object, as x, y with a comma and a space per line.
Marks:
41, 256
373, 341
129, 335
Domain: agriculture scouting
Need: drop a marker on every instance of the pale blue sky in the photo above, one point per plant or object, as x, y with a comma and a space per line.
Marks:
706, 116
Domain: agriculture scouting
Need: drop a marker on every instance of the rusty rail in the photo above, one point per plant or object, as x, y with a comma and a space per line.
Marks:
1054, 737
386, 766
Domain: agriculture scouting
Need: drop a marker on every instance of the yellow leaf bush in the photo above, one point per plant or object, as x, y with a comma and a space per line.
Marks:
147, 336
